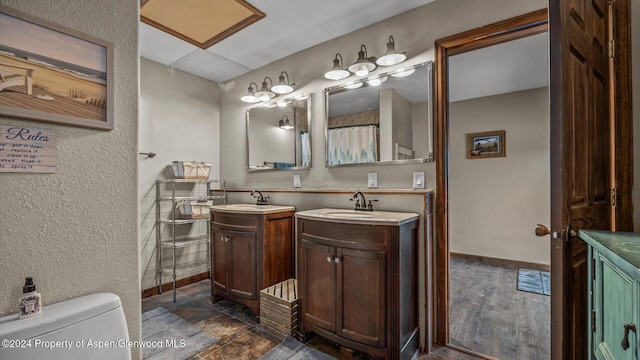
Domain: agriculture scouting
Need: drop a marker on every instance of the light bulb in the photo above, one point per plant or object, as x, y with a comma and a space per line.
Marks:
362, 70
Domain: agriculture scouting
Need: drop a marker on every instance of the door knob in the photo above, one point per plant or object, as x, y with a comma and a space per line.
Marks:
542, 230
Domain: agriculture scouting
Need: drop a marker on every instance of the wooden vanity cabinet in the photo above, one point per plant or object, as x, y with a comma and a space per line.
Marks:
250, 252
358, 286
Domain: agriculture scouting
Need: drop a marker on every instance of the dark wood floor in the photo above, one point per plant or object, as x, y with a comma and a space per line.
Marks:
489, 316
239, 333
241, 337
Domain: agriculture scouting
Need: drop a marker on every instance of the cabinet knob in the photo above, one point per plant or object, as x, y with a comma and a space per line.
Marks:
625, 339
337, 260
329, 258
224, 238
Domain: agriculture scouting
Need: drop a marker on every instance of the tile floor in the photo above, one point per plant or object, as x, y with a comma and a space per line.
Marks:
239, 332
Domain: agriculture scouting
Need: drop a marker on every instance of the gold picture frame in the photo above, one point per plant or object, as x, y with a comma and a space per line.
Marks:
486, 145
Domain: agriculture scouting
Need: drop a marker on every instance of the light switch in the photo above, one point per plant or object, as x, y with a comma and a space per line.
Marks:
372, 181
296, 181
418, 180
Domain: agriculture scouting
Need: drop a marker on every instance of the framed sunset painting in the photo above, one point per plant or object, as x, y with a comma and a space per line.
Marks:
54, 74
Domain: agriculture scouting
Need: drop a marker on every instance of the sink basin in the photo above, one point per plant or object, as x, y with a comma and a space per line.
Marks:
350, 214
246, 206
252, 208
358, 217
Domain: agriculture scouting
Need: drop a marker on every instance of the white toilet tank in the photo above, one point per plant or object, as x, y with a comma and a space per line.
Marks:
88, 327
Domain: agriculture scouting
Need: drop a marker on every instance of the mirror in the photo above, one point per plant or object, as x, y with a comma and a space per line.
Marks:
383, 119
278, 135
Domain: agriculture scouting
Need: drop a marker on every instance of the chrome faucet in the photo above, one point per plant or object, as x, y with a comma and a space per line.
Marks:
261, 199
361, 202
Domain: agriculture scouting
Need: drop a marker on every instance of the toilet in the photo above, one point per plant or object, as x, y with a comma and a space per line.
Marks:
88, 327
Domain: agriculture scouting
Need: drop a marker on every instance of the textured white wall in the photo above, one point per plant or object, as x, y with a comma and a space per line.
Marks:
179, 120
495, 203
76, 231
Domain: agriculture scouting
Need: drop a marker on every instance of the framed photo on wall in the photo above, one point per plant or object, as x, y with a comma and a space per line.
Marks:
486, 144
54, 74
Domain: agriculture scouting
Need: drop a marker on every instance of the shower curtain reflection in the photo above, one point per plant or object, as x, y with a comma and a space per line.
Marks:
351, 145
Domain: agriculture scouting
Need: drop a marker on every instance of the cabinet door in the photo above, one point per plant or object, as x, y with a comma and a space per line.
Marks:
219, 260
318, 272
615, 296
243, 264
362, 294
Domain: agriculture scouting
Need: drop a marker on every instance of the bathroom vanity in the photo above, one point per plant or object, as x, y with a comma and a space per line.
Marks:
357, 278
251, 249
614, 304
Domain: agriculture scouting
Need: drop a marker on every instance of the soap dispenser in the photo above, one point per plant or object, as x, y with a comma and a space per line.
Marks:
30, 302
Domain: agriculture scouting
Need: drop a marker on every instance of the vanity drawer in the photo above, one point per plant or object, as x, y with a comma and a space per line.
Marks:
241, 222
345, 233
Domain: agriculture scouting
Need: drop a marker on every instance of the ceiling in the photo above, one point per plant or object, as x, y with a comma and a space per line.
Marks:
516, 65
288, 27
294, 25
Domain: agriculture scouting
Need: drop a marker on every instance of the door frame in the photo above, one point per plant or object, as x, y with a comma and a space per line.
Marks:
511, 29
622, 134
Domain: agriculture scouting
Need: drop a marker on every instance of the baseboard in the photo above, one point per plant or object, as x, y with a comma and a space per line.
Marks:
179, 283
503, 262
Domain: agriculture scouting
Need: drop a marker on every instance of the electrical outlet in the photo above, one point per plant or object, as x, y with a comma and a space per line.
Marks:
418, 180
296, 181
372, 180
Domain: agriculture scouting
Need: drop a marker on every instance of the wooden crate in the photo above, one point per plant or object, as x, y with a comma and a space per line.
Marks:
279, 308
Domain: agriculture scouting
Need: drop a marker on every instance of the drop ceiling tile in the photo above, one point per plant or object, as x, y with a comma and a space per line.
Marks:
210, 66
202, 23
161, 47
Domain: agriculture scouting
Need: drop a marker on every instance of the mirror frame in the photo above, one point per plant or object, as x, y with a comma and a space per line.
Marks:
430, 120
303, 96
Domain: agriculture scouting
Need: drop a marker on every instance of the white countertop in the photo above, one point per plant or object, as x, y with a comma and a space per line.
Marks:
350, 216
252, 208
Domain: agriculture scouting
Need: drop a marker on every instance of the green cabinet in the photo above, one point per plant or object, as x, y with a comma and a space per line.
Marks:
614, 302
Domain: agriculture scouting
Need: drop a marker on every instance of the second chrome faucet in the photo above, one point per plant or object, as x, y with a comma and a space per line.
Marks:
260, 199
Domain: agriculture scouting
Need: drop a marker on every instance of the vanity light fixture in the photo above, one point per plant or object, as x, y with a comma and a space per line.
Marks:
250, 96
265, 94
282, 103
284, 123
364, 64
283, 87
337, 72
391, 57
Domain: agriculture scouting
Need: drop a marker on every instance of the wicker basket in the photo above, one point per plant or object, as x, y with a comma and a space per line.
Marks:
194, 209
192, 170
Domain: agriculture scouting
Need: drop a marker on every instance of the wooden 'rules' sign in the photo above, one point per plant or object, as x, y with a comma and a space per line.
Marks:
27, 150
